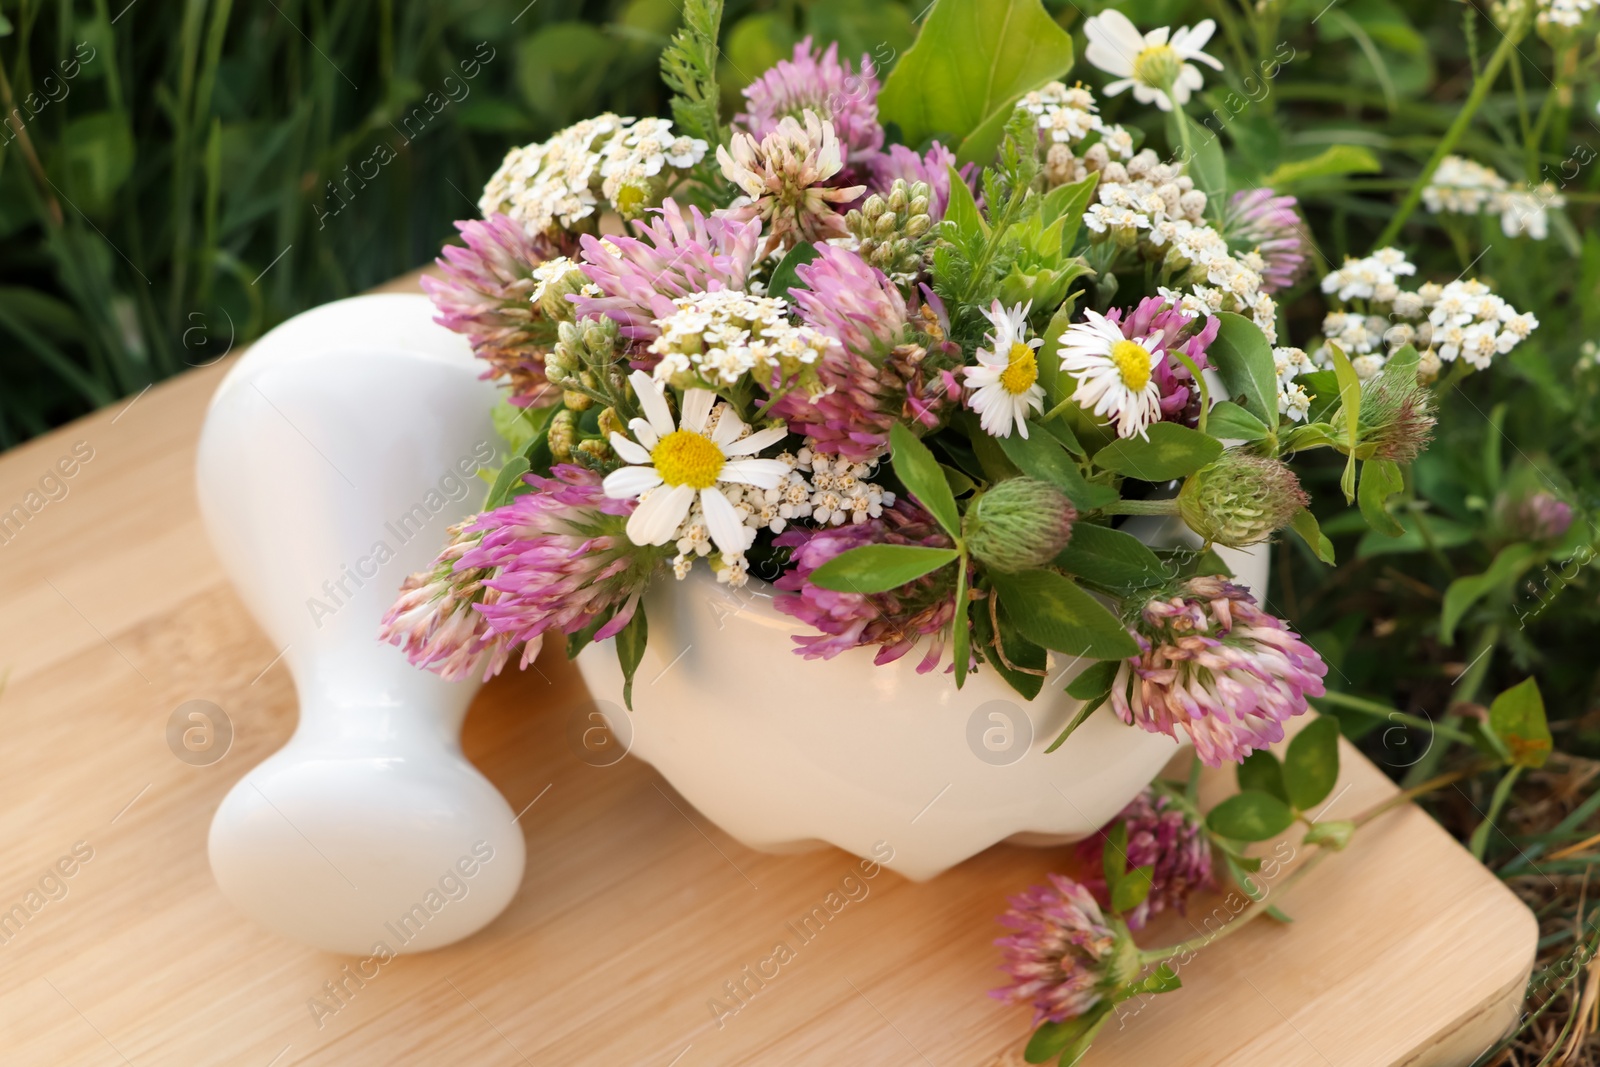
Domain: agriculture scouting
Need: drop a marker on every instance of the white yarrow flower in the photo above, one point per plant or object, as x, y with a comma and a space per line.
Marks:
1114, 375
1004, 385
671, 467
1158, 66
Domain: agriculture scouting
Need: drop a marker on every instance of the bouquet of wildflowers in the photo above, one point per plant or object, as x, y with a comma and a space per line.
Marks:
912, 347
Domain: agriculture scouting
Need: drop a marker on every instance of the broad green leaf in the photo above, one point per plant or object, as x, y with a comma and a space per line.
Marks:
1242, 357
919, 472
1112, 559
783, 275
972, 58
1305, 525
518, 425
1228, 421
1380, 479
878, 568
1050, 366
1509, 565
630, 651
1250, 816
1350, 406
1052, 611
1171, 451
1207, 167
1518, 720
1041, 456
1311, 763
1329, 163
1132, 890
1262, 773
1095, 680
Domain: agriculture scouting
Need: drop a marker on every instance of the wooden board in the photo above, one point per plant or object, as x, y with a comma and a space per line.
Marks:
636, 915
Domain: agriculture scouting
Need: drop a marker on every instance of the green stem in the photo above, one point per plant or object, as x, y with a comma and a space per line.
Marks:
1168, 506
1200, 381
1447, 143
1195, 944
1383, 711
1479, 843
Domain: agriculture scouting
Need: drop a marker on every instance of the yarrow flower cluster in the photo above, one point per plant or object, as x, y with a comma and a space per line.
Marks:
1462, 319
557, 184
717, 339
1462, 187
1213, 664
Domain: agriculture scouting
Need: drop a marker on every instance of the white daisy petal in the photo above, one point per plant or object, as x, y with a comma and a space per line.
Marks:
696, 409
756, 441
658, 518
653, 402
644, 433
727, 531
629, 451
729, 427
629, 482
761, 473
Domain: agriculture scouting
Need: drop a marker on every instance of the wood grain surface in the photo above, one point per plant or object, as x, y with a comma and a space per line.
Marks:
637, 919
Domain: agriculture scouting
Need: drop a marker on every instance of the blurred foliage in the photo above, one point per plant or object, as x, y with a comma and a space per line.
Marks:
181, 176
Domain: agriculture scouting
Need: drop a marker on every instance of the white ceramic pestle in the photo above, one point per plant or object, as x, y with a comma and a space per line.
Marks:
335, 454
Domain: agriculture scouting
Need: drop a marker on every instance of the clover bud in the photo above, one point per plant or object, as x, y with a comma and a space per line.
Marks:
1240, 499
1018, 524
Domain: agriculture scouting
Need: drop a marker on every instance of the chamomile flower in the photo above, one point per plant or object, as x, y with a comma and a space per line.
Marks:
1005, 383
1115, 375
1156, 65
670, 466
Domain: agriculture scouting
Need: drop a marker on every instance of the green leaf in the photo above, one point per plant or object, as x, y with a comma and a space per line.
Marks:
1065, 204
630, 651
1053, 1039
509, 478
1509, 565
1041, 456
1350, 405
1262, 773
1161, 980
1018, 649
1311, 763
1053, 612
783, 275
1250, 816
962, 214
1172, 451
518, 425
1380, 480
1518, 720
1334, 834
1242, 356
1206, 167
1329, 163
962, 624
1305, 525
879, 568
1111, 559
1132, 890
1228, 421
919, 472
1114, 853
972, 59
1095, 680
1277, 913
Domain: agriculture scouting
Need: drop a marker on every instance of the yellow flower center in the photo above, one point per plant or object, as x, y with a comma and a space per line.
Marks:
1157, 67
1022, 370
1133, 363
684, 457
